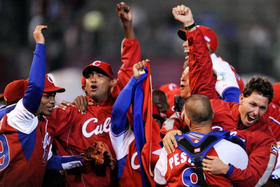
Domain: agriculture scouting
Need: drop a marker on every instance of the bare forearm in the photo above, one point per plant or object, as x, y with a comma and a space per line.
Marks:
129, 30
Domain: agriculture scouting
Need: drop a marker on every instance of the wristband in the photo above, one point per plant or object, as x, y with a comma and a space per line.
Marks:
191, 26
229, 172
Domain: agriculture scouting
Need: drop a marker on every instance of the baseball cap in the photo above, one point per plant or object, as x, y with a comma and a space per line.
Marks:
276, 91
99, 66
209, 36
50, 87
169, 87
15, 90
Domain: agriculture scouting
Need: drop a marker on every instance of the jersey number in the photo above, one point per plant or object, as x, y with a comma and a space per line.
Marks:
190, 178
4, 152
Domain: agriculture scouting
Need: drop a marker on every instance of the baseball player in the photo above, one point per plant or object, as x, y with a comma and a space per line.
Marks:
75, 131
122, 135
24, 143
226, 75
245, 119
183, 166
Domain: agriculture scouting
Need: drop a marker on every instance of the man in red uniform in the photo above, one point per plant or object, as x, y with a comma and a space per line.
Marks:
177, 168
24, 143
122, 134
75, 131
245, 119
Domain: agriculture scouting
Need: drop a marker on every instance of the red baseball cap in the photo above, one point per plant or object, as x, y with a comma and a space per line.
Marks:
276, 91
15, 90
209, 36
99, 66
50, 87
169, 87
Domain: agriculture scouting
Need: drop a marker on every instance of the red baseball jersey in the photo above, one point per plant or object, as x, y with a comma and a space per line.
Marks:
174, 169
259, 140
75, 132
23, 156
129, 172
260, 144
273, 118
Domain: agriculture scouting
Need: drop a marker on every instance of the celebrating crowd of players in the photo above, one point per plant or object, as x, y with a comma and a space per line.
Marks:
210, 131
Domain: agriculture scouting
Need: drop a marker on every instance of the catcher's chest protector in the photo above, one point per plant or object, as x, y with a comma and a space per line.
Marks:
197, 151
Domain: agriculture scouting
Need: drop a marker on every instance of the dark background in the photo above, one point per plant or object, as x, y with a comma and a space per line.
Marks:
248, 32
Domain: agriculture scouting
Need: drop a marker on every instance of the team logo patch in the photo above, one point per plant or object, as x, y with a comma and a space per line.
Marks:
221, 76
96, 63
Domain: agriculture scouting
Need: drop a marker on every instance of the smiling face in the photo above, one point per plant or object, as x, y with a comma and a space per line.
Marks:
186, 51
98, 86
252, 108
47, 104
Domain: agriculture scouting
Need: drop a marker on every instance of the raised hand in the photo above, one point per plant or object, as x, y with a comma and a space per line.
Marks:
183, 14
124, 12
138, 69
38, 35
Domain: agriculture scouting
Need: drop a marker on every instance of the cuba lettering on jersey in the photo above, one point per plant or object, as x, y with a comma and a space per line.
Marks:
175, 169
129, 173
99, 129
75, 132
22, 159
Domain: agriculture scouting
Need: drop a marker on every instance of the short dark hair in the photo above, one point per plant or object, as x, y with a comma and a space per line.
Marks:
261, 85
198, 108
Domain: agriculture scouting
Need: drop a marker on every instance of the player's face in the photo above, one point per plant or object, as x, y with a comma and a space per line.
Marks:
161, 102
184, 84
98, 86
186, 50
47, 104
252, 108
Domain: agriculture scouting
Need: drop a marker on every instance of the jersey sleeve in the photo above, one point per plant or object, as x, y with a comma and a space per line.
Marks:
235, 154
21, 119
201, 78
261, 163
130, 55
121, 107
121, 134
161, 168
226, 84
36, 82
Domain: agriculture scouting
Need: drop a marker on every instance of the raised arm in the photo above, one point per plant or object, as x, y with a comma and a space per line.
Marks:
130, 48
125, 14
33, 95
123, 102
201, 79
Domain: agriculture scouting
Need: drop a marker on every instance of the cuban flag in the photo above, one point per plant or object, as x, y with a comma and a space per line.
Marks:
146, 130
